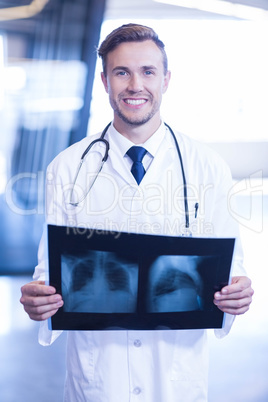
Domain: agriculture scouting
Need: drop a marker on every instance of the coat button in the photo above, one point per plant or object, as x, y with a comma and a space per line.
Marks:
137, 391
137, 343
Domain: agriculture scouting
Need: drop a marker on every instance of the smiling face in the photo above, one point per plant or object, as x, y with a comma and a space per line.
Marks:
135, 82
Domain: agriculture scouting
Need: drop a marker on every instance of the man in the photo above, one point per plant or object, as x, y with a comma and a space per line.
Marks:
123, 365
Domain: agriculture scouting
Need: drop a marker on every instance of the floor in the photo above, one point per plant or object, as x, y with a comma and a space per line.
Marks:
238, 363
29, 372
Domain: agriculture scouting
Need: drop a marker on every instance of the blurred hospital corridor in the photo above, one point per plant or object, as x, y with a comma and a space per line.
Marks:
51, 96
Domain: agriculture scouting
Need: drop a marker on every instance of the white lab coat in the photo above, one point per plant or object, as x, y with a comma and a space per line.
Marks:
147, 366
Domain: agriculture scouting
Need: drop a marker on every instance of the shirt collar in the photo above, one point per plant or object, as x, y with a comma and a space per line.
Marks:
122, 144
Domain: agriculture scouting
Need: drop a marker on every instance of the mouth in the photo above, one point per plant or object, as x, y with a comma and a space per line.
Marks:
135, 102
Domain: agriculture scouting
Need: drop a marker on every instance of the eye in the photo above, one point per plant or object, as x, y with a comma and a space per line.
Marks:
148, 72
121, 73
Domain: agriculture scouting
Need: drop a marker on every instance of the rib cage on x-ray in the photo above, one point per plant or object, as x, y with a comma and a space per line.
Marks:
172, 280
117, 277
99, 282
174, 284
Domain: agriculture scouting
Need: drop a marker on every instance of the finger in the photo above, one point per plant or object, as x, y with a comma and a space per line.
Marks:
231, 290
37, 288
235, 294
235, 307
244, 281
42, 312
37, 293
33, 302
232, 296
238, 284
44, 316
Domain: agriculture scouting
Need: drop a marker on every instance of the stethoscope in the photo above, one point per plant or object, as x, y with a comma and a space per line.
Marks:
101, 139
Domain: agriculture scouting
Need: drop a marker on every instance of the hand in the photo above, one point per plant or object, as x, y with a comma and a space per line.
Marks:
235, 298
40, 301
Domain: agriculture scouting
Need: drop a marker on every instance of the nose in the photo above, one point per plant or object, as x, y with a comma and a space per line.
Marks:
135, 83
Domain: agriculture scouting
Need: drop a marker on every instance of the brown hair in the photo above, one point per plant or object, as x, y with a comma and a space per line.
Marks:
130, 33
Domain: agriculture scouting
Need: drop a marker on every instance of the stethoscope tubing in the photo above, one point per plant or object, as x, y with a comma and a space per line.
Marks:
105, 157
185, 195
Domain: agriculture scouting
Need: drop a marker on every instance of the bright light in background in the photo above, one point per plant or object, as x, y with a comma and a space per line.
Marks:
2, 78
12, 313
3, 179
5, 307
222, 7
15, 78
2, 94
21, 12
219, 86
42, 86
54, 104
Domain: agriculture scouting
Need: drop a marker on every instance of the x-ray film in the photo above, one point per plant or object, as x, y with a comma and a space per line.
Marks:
111, 280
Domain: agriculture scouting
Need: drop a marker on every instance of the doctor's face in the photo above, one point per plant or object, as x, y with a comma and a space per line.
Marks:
135, 82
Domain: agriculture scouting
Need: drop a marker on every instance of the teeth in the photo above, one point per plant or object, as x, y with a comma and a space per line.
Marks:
135, 101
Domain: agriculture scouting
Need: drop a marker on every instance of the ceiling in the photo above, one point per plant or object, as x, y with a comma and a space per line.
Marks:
136, 9
117, 9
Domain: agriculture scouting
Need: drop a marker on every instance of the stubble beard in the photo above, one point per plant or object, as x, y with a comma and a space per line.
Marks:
132, 121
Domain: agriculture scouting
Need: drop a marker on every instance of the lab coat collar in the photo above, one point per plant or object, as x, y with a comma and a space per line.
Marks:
159, 146
122, 144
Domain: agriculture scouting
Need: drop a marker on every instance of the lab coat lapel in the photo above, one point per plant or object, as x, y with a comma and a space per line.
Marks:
162, 161
120, 167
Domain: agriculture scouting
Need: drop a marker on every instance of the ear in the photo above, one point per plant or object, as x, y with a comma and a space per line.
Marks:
166, 81
104, 81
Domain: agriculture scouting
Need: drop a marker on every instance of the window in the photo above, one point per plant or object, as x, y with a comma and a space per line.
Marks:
219, 86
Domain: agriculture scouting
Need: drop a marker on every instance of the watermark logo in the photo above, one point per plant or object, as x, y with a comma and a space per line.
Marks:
27, 183
245, 202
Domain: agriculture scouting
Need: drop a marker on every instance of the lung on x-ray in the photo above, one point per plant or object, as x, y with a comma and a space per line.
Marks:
112, 280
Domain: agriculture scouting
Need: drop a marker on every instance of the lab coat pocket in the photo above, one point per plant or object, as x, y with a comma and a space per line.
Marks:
80, 357
189, 374
190, 357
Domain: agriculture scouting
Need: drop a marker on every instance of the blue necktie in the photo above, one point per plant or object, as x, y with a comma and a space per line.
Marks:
137, 154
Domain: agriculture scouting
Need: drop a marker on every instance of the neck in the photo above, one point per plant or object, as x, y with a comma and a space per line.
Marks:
137, 134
